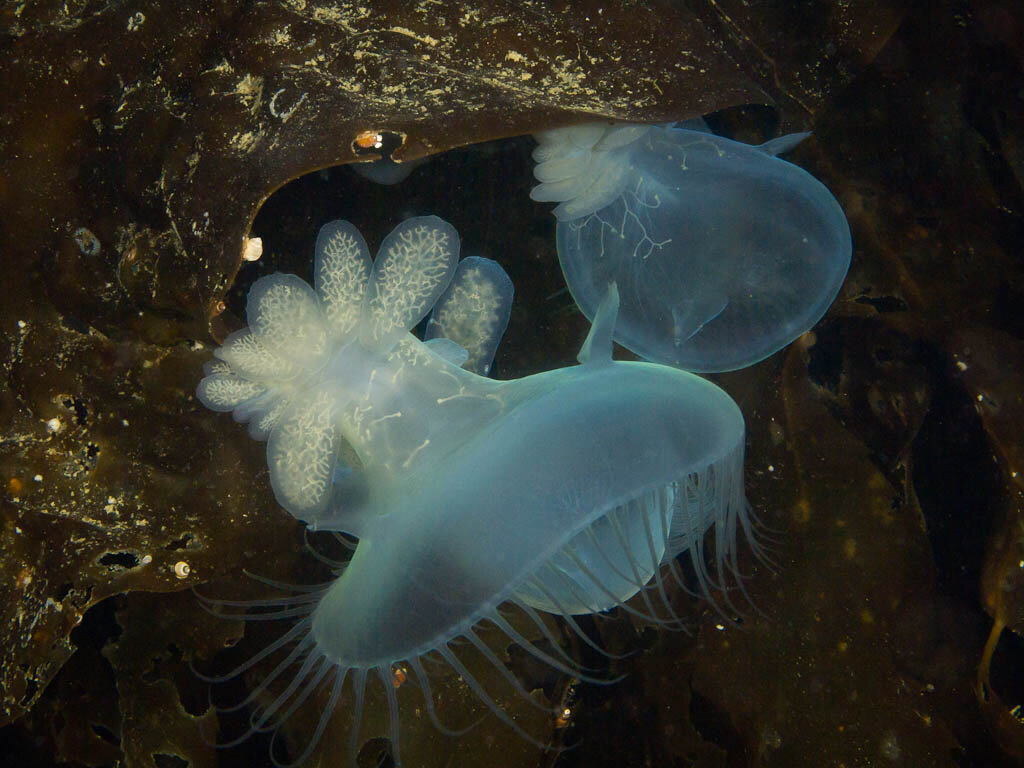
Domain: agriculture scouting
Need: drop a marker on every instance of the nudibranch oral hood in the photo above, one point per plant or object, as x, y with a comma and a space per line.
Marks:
565, 492
723, 252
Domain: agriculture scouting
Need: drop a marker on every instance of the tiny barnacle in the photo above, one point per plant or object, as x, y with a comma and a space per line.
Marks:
86, 241
182, 569
252, 248
24, 578
369, 140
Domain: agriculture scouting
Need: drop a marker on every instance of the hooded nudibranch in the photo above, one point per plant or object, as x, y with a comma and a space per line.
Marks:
564, 491
723, 252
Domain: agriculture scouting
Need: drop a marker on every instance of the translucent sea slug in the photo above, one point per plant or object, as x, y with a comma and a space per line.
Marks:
723, 252
563, 492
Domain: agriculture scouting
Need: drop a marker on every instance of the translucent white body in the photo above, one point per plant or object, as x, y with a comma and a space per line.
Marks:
722, 252
565, 491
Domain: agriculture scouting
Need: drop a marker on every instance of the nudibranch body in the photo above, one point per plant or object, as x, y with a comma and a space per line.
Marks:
723, 252
565, 491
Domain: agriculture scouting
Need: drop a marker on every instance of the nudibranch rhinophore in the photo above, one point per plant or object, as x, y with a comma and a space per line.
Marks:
565, 492
723, 252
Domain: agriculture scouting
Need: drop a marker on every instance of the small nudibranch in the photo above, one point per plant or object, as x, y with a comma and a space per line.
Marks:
723, 252
565, 492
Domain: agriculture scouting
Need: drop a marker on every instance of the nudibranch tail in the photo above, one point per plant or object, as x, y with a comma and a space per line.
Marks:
597, 347
782, 144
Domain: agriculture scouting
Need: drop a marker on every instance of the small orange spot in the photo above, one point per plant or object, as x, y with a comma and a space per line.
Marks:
398, 676
369, 140
563, 718
14, 486
219, 308
24, 577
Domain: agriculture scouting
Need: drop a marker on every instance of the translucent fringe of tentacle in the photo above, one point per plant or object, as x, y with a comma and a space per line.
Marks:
335, 565
676, 520
701, 516
314, 672
712, 501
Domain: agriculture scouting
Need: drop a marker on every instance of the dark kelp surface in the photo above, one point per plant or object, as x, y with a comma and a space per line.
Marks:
139, 143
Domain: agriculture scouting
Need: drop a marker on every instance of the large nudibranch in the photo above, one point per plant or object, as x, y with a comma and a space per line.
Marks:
564, 492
